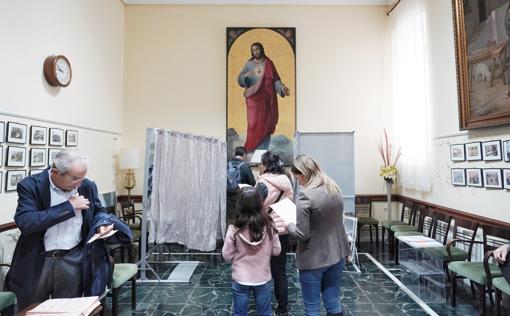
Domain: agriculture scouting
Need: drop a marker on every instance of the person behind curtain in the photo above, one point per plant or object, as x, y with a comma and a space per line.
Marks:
274, 186
322, 242
239, 161
250, 242
56, 209
262, 83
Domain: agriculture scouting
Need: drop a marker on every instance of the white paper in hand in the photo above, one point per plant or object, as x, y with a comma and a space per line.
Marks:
286, 209
110, 231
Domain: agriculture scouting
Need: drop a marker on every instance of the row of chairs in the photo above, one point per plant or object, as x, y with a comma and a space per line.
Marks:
457, 249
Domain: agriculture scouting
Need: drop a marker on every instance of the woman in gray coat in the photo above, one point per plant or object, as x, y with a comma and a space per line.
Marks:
322, 242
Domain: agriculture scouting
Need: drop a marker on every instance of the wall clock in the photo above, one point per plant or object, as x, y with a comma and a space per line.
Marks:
57, 71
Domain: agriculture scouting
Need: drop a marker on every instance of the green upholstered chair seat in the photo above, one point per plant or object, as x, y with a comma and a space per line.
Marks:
408, 233
457, 254
367, 221
501, 284
401, 228
474, 270
137, 226
123, 272
7, 299
388, 224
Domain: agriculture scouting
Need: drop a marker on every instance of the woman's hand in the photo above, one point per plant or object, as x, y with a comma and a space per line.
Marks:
281, 226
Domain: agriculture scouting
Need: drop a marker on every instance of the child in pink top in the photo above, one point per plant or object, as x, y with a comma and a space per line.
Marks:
250, 242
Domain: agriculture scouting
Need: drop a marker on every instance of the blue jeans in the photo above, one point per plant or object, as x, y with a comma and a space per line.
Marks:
241, 298
325, 280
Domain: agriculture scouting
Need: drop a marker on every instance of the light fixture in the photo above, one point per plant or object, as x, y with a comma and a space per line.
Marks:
128, 160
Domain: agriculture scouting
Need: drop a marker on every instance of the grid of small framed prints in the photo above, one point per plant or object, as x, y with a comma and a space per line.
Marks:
488, 151
32, 147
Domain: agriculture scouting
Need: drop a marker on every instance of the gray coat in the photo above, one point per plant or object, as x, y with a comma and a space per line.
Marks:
320, 231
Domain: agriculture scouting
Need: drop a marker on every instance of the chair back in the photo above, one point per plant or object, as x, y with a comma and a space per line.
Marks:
494, 237
127, 210
441, 227
407, 212
363, 207
425, 218
465, 230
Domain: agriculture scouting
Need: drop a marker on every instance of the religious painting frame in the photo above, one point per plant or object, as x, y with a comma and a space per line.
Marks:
261, 90
483, 72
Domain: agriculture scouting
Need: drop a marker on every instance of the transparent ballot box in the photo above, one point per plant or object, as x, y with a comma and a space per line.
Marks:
421, 263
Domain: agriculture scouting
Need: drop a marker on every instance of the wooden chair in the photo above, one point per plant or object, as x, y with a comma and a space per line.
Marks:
363, 209
478, 272
499, 283
426, 220
7, 299
406, 218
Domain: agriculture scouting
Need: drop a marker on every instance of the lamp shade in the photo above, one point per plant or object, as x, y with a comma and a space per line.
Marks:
128, 158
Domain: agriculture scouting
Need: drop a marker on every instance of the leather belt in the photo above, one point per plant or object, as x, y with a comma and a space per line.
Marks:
59, 253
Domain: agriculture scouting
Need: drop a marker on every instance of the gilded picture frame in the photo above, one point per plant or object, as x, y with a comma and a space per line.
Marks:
257, 55
483, 72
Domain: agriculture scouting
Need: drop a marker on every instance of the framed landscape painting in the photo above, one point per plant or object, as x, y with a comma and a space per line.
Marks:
483, 73
261, 90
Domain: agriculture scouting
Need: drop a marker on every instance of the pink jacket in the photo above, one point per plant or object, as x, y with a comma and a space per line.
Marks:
276, 183
250, 260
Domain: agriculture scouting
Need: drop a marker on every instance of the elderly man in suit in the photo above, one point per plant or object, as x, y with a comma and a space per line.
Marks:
56, 209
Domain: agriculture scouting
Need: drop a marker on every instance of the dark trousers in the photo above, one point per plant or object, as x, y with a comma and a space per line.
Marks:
279, 274
231, 206
60, 278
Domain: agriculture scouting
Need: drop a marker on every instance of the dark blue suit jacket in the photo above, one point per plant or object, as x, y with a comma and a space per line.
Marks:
33, 217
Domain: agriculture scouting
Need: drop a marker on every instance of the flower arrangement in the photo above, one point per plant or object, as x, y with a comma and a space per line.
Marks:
388, 170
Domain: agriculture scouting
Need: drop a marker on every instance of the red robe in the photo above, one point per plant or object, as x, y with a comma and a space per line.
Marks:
261, 107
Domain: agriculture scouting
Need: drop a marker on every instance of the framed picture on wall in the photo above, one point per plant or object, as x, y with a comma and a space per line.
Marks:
37, 157
1, 155
2, 134
457, 152
56, 137
473, 151
458, 176
506, 178
474, 177
12, 179
52, 152
16, 133
38, 135
16, 156
259, 119
35, 171
1, 180
491, 150
492, 178
480, 46
71, 138
506, 150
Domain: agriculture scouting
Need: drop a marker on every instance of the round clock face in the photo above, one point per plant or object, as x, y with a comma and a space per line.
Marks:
63, 71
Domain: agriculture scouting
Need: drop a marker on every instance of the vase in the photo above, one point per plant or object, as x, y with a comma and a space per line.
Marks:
389, 184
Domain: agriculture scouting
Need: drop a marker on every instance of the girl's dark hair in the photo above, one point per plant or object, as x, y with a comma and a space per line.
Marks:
272, 162
250, 212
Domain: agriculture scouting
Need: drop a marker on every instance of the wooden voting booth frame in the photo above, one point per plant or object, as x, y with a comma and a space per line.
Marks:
335, 153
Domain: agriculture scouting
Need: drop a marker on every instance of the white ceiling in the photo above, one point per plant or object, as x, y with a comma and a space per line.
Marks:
269, 2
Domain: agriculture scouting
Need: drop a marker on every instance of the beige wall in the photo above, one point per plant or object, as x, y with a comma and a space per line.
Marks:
175, 72
493, 203
91, 34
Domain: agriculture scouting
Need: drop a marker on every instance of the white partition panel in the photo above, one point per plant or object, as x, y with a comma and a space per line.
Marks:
335, 153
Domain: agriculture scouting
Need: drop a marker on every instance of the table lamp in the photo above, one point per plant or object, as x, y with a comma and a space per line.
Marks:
128, 160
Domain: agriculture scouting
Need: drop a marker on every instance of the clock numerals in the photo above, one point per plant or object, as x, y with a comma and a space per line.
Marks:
57, 71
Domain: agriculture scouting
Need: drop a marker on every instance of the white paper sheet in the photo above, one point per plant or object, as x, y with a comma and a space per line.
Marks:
66, 306
286, 209
108, 233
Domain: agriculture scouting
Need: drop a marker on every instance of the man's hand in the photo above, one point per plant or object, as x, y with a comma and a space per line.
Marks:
501, 253
279, 223
104, 229
79, 202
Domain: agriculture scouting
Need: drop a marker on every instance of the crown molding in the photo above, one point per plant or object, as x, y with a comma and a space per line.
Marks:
263, 2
